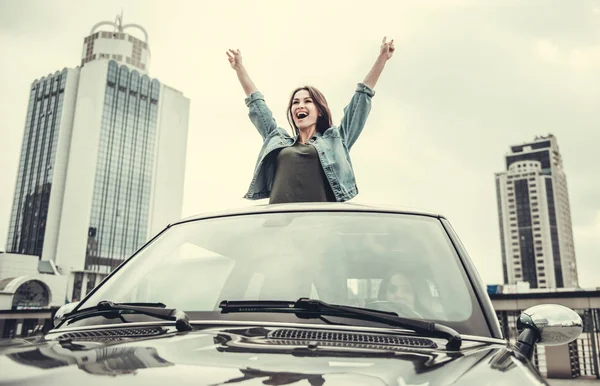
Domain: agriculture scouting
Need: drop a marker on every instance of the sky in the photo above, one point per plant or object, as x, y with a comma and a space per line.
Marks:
468, 79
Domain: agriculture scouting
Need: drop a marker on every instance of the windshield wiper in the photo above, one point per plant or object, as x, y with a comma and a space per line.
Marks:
156, 310
318, 307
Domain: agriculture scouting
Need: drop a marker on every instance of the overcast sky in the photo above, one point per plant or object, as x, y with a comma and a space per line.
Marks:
468, 79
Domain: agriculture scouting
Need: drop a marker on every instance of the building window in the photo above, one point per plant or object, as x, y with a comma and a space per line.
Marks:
77, 283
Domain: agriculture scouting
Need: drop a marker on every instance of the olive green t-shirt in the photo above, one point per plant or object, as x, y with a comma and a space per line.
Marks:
299, 176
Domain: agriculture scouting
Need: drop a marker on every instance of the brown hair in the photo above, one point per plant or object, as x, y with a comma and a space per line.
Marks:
324, 121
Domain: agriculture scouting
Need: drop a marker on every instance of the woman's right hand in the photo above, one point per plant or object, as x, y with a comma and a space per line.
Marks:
235, 59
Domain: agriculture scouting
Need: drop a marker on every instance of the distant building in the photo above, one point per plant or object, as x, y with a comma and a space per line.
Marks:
535, 218
102, 160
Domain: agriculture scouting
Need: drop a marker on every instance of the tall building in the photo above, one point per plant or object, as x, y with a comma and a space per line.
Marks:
535, 218
102, 160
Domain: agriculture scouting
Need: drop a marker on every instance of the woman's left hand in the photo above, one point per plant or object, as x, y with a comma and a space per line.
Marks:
385, 53
387, 49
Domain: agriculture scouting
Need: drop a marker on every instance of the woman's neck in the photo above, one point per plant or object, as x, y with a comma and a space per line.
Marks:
306, 134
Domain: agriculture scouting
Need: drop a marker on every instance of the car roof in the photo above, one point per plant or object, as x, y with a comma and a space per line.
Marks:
309, 207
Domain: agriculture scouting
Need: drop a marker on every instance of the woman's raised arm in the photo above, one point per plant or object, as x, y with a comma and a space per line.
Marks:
357, 111
385, 53
235, 59
259, 113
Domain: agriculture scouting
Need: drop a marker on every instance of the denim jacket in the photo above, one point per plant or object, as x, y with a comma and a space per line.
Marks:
332, 146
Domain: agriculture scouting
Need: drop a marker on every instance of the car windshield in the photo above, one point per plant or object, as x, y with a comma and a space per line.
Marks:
386, 261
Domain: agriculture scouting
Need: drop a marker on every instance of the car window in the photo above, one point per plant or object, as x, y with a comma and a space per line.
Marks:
375, 260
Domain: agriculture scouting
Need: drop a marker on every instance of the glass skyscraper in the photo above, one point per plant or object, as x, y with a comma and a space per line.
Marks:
102, 160
123, 178
38, 154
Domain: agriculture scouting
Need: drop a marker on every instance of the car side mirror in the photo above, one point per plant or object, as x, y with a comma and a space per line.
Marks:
60, 314
547, 325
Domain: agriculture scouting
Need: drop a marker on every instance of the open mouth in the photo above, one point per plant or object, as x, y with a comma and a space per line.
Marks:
301, 115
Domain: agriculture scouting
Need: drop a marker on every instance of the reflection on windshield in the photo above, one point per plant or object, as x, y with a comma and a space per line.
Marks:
393, 262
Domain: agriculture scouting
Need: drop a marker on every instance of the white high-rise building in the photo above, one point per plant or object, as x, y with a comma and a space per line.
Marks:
535, 217
102, 161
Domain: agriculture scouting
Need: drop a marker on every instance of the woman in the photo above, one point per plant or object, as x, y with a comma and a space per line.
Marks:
314, 165
399, 290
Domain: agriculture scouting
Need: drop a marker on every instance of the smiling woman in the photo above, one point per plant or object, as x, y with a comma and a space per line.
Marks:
314, 165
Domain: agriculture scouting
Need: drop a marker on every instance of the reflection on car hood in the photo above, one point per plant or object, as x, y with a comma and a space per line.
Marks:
242, 355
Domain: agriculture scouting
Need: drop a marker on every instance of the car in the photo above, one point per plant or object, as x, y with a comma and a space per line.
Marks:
306, 293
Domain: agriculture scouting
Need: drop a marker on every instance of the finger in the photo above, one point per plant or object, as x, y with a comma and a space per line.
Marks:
383, 41
229, 55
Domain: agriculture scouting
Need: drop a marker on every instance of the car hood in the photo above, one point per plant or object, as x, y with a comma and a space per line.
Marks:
251, 356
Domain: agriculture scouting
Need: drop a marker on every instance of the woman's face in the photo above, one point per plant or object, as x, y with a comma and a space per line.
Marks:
304, 111
399, 290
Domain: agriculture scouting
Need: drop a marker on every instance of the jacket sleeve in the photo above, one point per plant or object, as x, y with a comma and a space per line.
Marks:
356, 114
260, 114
